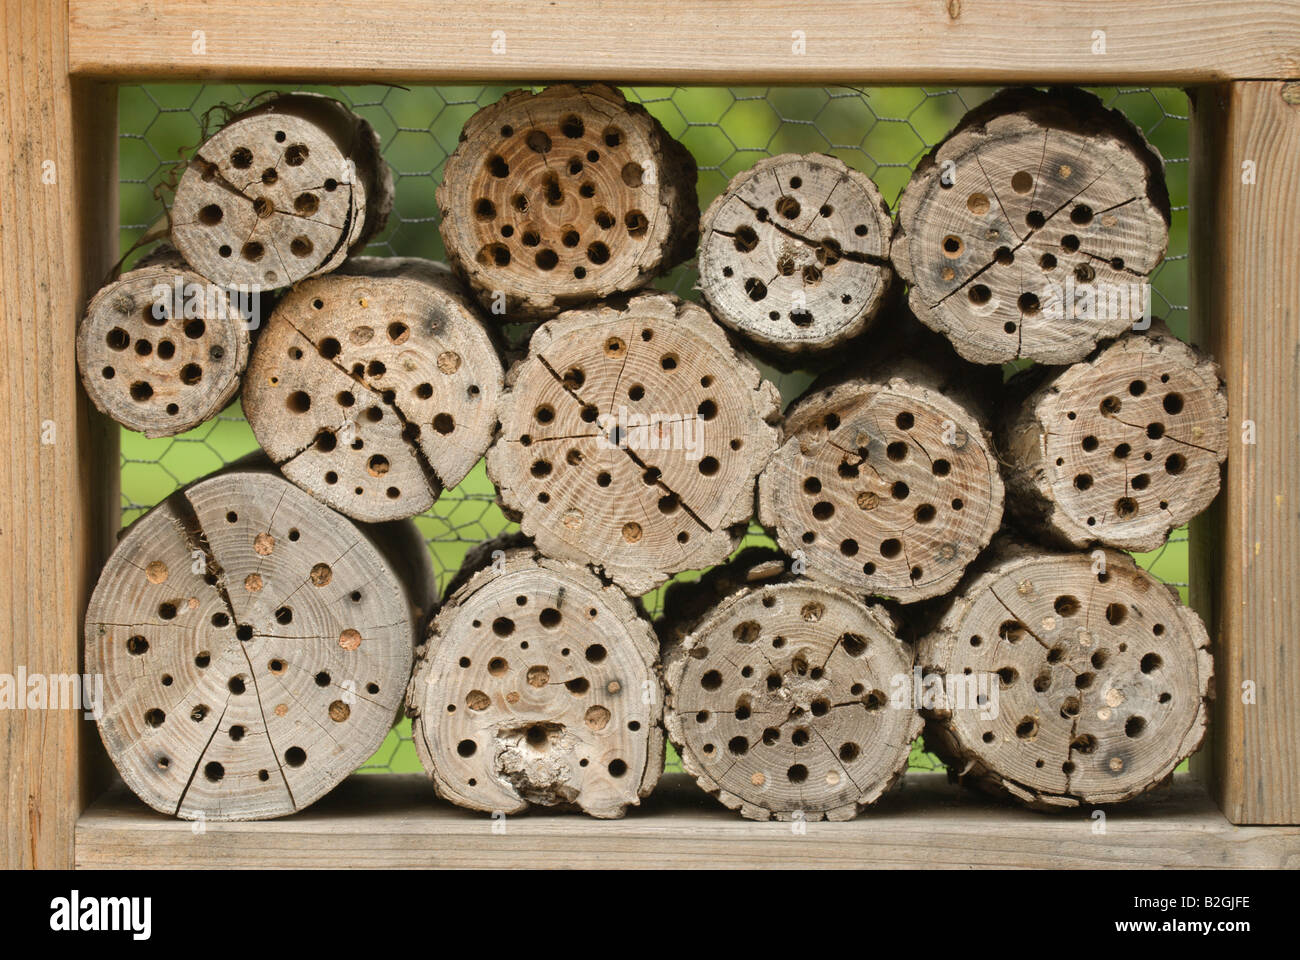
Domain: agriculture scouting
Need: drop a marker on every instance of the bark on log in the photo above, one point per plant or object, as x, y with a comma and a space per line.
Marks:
538, 684
283, 191
779, 695
161, 349
375, 387
1119, 449
794, 255
254, 645
630, 439
558, 198
1095, 678
886, 482
1031, 200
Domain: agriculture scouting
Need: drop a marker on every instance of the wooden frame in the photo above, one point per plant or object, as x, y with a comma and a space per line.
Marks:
58, 512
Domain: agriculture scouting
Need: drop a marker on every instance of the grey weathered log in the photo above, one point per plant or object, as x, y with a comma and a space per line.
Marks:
538, 684
794, 254
557, 198
1031, 230
161, 349
1069, 678
1118, 449
630, 438
780, 694
255, 645
284, 190
375, 387
886, 482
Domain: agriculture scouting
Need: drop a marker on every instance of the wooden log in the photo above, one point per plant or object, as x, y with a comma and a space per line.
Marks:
538, 684
284, 190
1033, 199
557, 198
160, 349
254, 646
630, 439
376, 387
794, 254
1094, 677
1119, 449
886, 482
779, 694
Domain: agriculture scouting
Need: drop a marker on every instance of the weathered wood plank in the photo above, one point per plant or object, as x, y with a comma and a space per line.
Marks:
394, 821
1246, 550
899, 41
58, 164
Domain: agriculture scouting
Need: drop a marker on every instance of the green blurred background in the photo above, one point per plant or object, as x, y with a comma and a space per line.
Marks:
879, 131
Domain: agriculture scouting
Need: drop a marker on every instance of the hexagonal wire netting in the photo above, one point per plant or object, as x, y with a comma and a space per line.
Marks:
882, 132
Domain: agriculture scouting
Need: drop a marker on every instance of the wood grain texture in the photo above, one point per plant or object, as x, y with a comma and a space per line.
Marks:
1100, 675
794, 254
885, 483
1118, 449
900, 41
777, 697
1246, 549
375, 387
394, 821
558, 198
537, 684
160, 349
631, 436
1029, 232
60, 505
255, 645
284, 190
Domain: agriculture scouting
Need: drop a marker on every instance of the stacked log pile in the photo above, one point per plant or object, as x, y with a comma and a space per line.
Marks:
945, 546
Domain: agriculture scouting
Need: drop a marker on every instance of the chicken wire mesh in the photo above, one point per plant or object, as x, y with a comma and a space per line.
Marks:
881, 132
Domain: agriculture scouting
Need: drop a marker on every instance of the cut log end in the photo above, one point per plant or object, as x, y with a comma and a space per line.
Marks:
1122, 449
631, 437
565, 196
254, 647
1066, 683
375, 388
1030, 231
794, 254
281, 192
538, 685
779, 702
883, 486
161, 350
